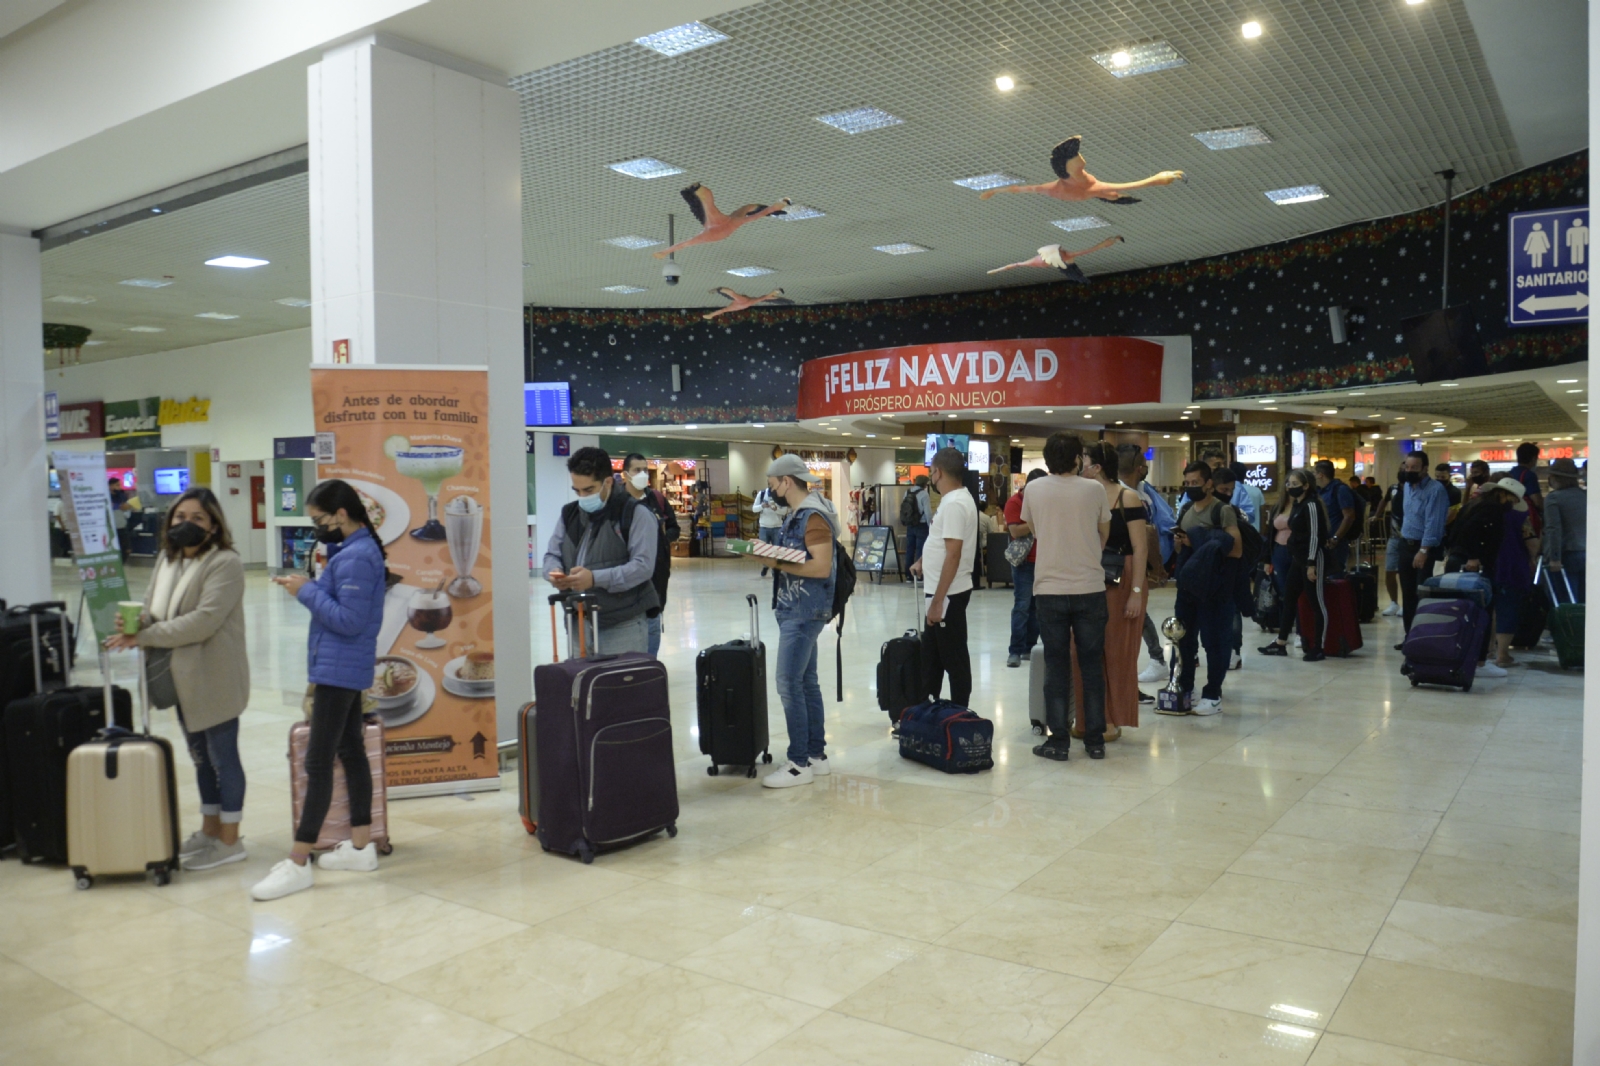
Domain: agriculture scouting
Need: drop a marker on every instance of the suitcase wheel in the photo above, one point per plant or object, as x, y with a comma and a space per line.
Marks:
586, 853
530, 827
672, 830
84, 881
386, 848
1415, 682
160, 876
750, 772
712, 771
1467, 687
766, 756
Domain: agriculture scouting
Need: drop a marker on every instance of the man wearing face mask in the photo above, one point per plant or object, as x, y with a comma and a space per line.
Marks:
1421, 530
605, 545
636, 479
1209, 546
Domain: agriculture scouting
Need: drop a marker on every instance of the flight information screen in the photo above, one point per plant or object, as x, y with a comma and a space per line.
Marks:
547, 403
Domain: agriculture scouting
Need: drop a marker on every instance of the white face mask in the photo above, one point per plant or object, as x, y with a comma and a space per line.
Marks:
641, 480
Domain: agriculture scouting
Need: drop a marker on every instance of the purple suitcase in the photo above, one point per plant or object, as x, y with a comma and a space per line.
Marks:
1444, 643
603, 733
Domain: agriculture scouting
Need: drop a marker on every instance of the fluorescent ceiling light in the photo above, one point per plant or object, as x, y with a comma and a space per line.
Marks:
758, 425
750, 271
796, 213
1559, 381
237, 262
1570, 391
1141, 59
646, 168
681, 39
1295, 194
623, 288
899, 248
293, 301
1233, 137
995, 180
691, 426
1449, 384
91, 344
1331, 411
145, 329
220, 316
1250, 30
1081, 222
860, 119
1005, 83
147, 283
90, 300
632, 242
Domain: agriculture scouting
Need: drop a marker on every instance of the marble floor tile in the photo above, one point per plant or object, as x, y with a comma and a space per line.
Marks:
1517, 811
1285, 784
898, 901
659, 921
1540, 783
1464, 839
1315, 915
1237, 810
999, 1008
1157, 838
24, 994
1372, 871
1482, 1019
152, 948
1405, 831
1310, 756
761, 874
801, 958
1126, 1027
389, 942
1103, 879
832, 1039
1523, 950
1020, 816
840, 837
1499, 888
81, 1034
958, 854
1395, 792
1336, 1050
1096, 943
524, 1052
536, 889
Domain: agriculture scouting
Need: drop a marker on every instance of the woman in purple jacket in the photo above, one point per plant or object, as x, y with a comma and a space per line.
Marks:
346, 605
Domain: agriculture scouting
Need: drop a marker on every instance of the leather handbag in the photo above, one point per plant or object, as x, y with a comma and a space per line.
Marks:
1112, 562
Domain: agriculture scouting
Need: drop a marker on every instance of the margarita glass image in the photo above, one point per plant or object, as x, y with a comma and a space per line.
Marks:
429, 464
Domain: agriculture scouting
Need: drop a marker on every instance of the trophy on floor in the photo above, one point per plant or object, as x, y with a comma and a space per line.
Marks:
1169, 700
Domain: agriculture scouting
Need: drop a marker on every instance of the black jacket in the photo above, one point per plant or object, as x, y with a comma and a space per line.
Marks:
1308, 530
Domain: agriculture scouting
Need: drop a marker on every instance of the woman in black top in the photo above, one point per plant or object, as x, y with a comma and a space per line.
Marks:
1308, 531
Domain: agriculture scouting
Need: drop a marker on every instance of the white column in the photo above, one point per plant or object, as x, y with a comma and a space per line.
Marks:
24, 529
416, 257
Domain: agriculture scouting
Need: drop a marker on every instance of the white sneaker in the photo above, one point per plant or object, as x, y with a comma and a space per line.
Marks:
286, 878
788, 775
1236, 662
197, 842
1391, 610
819, 766
1491, 670
1153, 671
346, 856
1205, 707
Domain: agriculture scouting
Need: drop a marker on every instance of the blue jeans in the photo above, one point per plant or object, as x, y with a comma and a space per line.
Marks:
654, 629
1209, 623
217, 770
798, 687
1024, 617
916, 537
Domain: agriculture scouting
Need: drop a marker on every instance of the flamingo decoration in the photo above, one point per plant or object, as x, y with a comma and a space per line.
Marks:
1073, 182
718, 226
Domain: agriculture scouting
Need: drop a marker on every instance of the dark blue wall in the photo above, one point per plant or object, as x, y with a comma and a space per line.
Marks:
1258, 317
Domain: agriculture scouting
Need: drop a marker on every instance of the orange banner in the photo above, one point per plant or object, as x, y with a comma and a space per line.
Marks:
415, 444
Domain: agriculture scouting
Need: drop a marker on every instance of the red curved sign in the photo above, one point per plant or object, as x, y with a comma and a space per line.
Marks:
969, 375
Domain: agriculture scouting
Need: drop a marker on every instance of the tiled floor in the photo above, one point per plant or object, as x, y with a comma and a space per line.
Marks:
1339, 870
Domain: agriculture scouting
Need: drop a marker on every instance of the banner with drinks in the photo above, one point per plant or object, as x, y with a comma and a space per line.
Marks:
415, 444
86, 516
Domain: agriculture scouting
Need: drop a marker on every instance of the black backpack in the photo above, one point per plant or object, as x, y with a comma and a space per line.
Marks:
844, 583
910, 509
1253, 544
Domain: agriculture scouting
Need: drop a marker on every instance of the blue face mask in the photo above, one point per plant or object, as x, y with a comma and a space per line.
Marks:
591, 504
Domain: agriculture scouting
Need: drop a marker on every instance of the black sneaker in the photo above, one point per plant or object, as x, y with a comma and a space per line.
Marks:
1315, 656
1145, 697
1097, 751
1400, 647
1273, 649
1053, 748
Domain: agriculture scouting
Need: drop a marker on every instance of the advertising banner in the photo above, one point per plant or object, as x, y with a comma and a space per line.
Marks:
86, 514
131, 424
415, 444
82, 421
974, 375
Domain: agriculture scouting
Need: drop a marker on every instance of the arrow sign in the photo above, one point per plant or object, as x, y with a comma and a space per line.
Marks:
479, 743
1574, 302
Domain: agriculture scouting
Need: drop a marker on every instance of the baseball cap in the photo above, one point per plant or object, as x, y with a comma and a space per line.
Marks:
791, 466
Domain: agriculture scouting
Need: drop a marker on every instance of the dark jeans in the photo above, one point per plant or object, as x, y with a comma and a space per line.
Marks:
1295, 585
335, 727
1064, 620
1337, 559
1152, 639
916, 537
1411, 577
1024, 619
1208, 623
944, 651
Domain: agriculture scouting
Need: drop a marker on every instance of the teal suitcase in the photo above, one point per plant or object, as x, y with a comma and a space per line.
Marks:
1566, 624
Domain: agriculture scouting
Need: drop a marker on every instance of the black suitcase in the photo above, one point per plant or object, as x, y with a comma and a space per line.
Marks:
995, 562
900, 666
21, 672
603, 752
731, 698
1365, 580
40, 732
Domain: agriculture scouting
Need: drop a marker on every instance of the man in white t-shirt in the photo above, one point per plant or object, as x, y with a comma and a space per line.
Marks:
1070, 518
946, 566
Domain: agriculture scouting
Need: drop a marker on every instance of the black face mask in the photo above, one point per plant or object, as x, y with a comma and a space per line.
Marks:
329, 534
186, 535
1195, 493
1409, 477
1479, 479
1296, 491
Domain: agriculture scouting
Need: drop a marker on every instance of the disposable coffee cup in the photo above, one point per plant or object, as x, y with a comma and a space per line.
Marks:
129, 611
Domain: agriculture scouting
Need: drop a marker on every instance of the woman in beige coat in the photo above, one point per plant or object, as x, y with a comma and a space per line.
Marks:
192, 633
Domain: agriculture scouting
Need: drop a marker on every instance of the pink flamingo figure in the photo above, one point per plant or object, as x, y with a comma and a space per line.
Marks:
1073, 182
743, 303
1053, 255
718, 226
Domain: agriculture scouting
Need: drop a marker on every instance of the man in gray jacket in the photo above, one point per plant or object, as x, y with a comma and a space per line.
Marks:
1566, 529
605, 547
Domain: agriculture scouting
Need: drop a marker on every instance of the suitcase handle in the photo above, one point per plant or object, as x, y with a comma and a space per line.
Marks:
755, 618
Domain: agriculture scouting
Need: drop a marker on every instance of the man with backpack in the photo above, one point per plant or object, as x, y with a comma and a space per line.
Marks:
1210, 542
947, 563
636, 479
916, 512
1345, 515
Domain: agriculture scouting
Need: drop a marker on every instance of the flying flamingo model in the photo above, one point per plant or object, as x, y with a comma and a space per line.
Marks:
718, 226
1053, 255
744, 303
1076, 183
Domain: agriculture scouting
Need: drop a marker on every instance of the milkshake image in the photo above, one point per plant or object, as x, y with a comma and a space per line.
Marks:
463, 532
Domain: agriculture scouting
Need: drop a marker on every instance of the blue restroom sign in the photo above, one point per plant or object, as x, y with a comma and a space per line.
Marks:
1550, 266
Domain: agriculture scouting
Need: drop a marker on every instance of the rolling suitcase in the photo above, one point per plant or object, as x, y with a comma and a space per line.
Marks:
1533, 619
996, 566
336, 826
1364, 579
22, 673
1342, 635
40, 732
900, 666
731, 700
1566, 623
1460, 585
122, 802
603, 751
1445, 641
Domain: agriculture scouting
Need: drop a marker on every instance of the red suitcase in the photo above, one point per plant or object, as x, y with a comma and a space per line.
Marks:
1343, 634
336, 826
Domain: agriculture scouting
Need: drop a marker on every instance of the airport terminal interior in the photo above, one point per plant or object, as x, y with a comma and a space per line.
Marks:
287, 286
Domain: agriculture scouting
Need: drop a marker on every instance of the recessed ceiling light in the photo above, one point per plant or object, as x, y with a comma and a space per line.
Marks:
1559, 381
750, 271
1080, 222
1266, 401
1184, 437
145, 329
860, 119
899, 248
293, 301
632, 242
758, 425
221, 316
980, 182
1005, 83
1414, 3
1233, 137
147, 283
691, 426
1296, 194
1331, 411
1096, 407
236, 262
1140, 59
1355, 394
71, 299
1570, 391
1049, 412
681, 39
91, 344
645, 167
1166, 436
1119, 421
796, 213
1250, 30
1088, 416
623, 289
1376, 414
622, 429
870, 435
